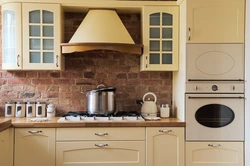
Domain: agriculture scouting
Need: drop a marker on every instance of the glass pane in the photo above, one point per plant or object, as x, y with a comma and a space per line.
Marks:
34, 30
34, 16
154, 58
48, 44
167, 46
167, 33
35, 57
214, 115
154, 45
48, 31
48, 57
167, 59
35, 44
48, 17
167, 19
154, 33
154, 19
9, 55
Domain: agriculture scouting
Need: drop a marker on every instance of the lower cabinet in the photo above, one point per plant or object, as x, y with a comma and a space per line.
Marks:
6, 147
214, 154
34, 147
165, 146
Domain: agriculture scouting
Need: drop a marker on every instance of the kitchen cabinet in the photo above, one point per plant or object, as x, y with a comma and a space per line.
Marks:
32, 37
214, 153
34, 146
160, 38
215, 21
6, 147
165, 146
100, 146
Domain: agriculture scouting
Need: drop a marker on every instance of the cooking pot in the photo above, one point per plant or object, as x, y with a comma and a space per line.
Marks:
101, 101
149, 107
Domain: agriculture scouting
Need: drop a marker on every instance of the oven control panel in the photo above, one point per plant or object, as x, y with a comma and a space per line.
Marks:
215, 87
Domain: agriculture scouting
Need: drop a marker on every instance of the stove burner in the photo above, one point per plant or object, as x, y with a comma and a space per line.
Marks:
75, 114
127, 113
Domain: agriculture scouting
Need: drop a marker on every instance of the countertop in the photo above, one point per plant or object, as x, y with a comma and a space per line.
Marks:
26, 122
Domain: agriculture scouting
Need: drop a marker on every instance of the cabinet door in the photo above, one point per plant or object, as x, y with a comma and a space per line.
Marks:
215, 21
41, 36
160, 38
214, 154
100, 153
34, 146
11, 37
6, 147
165, 146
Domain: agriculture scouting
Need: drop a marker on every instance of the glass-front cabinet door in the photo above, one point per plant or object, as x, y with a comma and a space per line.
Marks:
160, 38
41, 36
11, 37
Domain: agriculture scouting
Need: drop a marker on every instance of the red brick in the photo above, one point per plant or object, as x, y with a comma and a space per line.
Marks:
41, 81
18, 81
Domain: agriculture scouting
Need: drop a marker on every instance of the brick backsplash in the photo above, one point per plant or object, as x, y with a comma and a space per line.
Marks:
83, 72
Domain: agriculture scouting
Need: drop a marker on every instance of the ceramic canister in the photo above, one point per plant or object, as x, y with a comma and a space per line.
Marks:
30, 109
20, 109
10, 108
40, 109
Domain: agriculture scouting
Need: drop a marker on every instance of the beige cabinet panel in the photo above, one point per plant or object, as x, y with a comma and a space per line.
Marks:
215, 21
6, 147
165, 146
34, 146
214, 154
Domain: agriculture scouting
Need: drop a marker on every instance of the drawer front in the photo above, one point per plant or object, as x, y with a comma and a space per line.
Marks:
121, 133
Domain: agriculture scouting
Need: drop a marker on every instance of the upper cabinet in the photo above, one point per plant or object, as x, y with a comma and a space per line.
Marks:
32, 42
215, 21
160, 38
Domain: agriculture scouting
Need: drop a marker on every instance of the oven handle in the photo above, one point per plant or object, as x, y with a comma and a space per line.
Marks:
190, 97
241, 80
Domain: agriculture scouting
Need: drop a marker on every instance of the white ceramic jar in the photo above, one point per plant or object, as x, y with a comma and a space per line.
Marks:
51, 111
30, 109
20, 109
164, 111
40, 109
10, 108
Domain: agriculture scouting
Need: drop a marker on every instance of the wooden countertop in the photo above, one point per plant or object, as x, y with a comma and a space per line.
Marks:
4, 124
25, 122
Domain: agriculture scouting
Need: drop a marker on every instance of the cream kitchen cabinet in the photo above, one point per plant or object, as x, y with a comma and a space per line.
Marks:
100, 146
160, 38
214, 153
32, 37
215, 21
6, 147
165, 146
34, 146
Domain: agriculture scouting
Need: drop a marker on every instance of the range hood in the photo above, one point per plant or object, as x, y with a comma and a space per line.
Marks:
102, 29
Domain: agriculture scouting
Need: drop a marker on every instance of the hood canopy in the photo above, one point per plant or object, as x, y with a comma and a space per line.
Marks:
101, 29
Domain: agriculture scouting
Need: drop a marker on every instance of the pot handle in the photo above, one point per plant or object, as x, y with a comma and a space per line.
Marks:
149, 93
101, 85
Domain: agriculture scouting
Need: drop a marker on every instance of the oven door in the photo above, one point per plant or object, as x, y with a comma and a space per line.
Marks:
215, 117
215, 62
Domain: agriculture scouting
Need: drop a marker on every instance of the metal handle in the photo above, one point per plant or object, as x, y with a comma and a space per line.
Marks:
214, 145
35, 131
101, 145
101, 134
216, 97
189, 34
57, 57
165, 131
146, 61
17, 60
215, 80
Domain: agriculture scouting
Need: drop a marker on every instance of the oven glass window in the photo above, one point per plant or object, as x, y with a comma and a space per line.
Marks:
214, 115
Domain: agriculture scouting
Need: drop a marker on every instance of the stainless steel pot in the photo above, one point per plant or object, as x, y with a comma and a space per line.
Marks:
101, 101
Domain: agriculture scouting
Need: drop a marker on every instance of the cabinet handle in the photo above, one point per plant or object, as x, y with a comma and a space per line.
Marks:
17, 60
101, 145
214, 145
101, 134
57, 57
35, 131
189, 34
165, 131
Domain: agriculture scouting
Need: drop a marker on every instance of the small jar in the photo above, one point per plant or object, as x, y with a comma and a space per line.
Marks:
10, 109
164, 111
30, 109
40, 109
20, 109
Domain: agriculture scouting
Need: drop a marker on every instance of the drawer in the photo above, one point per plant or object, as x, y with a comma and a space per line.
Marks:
120, 133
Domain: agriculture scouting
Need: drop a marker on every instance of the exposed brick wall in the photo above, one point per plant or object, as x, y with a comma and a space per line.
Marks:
83, 72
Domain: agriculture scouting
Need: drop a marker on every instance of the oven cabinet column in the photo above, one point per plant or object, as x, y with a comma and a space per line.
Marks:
165, 146
160, 38
100, 146
34, 147
214, 153
6, 147
215, 21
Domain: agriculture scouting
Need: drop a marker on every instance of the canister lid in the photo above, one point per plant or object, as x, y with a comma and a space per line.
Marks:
19, 102
40, 102
10, 102
30, 102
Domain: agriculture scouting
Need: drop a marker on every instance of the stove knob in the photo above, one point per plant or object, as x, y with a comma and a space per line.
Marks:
214, 87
